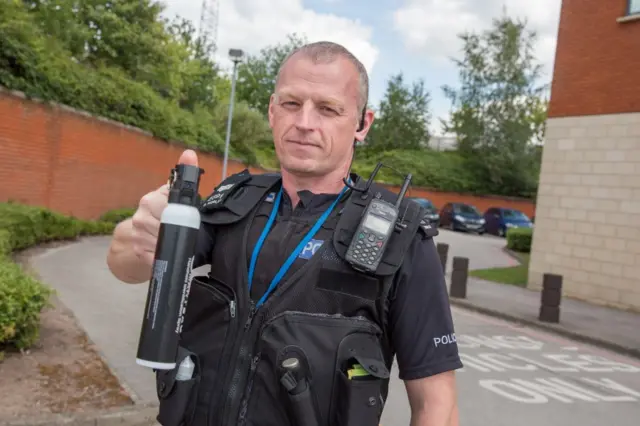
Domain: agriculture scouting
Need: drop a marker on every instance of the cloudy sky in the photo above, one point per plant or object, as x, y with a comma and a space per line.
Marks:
416, 37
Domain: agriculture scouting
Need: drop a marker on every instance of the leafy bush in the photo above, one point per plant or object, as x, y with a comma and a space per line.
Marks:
118, 215
22, 297
519, 239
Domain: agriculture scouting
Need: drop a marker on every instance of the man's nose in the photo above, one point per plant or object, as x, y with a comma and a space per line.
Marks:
306, 118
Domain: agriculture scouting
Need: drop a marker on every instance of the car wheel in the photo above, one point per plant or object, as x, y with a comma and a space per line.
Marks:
501, 233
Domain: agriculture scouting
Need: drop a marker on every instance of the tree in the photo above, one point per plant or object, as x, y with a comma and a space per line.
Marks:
200, 78
131, 35
498, 111
257, 75
403, 117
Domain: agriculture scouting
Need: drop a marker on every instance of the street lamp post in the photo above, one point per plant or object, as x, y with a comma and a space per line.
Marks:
236, 57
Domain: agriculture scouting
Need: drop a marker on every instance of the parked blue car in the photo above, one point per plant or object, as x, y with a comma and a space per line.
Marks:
499, 220
462, 217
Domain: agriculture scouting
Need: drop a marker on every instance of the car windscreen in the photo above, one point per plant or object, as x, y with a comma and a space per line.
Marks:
466, 210
514, 215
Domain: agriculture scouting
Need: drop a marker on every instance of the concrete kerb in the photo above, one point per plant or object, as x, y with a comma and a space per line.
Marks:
137, 415
559, 330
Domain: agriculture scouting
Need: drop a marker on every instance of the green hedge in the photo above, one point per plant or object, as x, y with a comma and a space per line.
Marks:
442, 170
519, 239
118, 215
22, 297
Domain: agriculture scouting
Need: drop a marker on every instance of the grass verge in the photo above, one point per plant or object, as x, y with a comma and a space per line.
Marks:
513, 275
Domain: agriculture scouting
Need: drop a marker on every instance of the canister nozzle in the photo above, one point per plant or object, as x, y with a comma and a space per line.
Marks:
184, 184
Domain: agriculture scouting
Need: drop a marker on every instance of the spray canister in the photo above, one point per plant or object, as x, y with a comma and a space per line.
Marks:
171, 275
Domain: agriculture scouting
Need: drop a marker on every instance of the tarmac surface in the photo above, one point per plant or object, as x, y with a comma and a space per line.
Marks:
483, 251
513, 374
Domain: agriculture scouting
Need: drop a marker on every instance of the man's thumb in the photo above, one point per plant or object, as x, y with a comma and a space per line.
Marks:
189, 157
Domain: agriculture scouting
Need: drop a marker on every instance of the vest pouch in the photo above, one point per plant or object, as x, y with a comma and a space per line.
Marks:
359, 383
314, 339
210, 324
177, 398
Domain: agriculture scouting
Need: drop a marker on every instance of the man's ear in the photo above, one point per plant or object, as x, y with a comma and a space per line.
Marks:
364, 125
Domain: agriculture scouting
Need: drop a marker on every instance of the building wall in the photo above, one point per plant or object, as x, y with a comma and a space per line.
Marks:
77, 164
588, 215
597, 60
588, 218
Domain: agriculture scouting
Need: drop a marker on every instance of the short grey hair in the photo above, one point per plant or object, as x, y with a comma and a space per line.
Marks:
326, 52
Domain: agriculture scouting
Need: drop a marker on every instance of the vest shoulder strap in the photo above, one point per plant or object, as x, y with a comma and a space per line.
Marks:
236, 196
410, 218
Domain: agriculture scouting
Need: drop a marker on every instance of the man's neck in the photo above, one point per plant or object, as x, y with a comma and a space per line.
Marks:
328, 184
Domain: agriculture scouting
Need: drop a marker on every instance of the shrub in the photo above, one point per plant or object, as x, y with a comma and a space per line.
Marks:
519, 239
118, 215
22, 297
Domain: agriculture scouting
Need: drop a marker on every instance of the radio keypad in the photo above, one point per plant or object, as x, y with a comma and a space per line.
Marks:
367, 247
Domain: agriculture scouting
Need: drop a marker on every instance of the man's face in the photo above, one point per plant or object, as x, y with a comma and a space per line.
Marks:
314, 115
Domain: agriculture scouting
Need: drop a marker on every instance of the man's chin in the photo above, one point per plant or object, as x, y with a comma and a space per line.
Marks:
300, 167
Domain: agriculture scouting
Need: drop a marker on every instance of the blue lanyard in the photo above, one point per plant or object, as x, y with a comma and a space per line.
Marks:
292, 257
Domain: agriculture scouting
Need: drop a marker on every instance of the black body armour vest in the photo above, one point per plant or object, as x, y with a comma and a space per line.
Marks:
287, 362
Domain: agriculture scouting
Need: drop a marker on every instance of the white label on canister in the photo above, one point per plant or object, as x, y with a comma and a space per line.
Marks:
186, 287
159, 268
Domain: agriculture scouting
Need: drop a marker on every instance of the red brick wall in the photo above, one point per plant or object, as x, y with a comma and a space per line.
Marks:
597, 60
83, 166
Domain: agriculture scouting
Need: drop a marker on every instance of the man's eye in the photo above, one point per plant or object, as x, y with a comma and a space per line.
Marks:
329, 110
290, 103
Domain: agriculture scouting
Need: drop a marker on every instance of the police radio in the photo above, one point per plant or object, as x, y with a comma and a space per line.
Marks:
379, 221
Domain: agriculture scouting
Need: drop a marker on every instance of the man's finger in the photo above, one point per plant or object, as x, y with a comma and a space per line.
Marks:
164, 189
189, 157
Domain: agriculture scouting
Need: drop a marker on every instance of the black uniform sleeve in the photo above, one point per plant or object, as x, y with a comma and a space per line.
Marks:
421, 324
204, 246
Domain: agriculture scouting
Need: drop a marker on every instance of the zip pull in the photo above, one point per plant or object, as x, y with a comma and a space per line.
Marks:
252, 312
232, 308
255, 361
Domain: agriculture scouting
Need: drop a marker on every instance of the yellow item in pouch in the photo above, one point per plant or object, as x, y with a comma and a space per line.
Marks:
356, 371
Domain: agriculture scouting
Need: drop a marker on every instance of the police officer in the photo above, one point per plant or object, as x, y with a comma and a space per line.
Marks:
283, 330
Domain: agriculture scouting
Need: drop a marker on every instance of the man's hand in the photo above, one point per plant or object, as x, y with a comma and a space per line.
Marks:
133, 247
433, 400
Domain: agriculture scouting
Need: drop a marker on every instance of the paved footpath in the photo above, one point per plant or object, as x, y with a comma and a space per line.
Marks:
511, 371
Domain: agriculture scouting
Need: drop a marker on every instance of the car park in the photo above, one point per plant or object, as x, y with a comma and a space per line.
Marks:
431, 215
499, 220
462, 217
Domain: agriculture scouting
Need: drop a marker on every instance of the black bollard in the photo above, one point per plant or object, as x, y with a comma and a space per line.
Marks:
443, 252
459, 277
550, 298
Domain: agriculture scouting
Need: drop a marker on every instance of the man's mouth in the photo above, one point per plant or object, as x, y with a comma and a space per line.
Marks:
303, 143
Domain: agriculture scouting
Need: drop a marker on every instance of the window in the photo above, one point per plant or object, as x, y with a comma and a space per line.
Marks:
634, 7
466, 209
425, 203
514, 214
